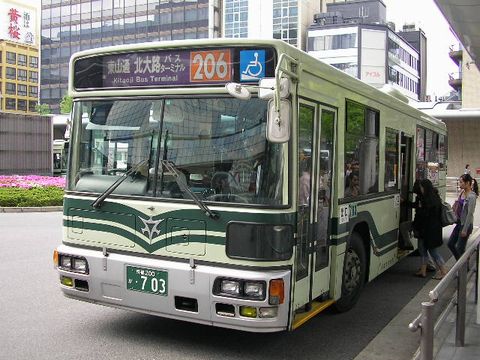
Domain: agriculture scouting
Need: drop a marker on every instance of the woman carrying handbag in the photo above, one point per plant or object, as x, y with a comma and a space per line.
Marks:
464, 208
428, 226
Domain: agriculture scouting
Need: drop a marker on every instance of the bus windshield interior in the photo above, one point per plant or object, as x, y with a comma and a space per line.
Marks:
217, 146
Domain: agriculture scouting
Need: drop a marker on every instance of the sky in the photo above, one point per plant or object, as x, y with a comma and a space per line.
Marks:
426, 16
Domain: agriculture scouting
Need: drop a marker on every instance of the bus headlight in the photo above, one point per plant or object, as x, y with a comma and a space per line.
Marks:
231, 287
65, 262
254, 290
79, 265
73, 263
240, 288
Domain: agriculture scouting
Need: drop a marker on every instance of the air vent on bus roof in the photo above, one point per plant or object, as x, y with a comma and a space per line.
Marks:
390, 90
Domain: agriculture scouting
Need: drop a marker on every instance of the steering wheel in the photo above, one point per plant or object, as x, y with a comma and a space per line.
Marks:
222, 197
222, 178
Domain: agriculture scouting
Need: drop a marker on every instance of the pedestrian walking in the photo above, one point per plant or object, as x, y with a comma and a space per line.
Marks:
428, 227
464, 208
467, 170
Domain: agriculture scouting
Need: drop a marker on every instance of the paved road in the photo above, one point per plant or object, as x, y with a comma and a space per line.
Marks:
37, 322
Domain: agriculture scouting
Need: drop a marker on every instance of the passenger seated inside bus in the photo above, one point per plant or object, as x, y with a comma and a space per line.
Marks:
353, 187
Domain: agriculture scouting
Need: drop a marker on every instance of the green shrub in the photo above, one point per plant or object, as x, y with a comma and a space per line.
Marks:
33, 197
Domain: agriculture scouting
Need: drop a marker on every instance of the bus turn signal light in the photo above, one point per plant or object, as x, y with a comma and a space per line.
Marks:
55, 258
276, 292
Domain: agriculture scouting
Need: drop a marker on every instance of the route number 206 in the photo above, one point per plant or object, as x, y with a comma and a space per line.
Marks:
209, 66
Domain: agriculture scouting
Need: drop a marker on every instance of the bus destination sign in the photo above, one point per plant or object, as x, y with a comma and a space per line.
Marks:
171, 68
164, 68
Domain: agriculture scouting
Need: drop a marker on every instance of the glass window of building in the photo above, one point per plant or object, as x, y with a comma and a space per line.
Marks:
191, 15
22, 60
85, 10
32, 105
11, 73
11, 58
22, 90
55, 34
55, 15
33, 91
203, 13
33, 61
22, 105
22, 75
107, 7
85, 32
178, 16
45, 13
11, 88
33, 76
96, 8
10, 104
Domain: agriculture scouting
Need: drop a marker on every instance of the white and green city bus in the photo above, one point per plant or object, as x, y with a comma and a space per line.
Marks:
235, 183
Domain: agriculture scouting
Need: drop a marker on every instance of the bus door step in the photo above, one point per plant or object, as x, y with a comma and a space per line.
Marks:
316, 308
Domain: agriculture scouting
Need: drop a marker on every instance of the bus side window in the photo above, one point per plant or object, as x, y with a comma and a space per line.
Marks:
361, 150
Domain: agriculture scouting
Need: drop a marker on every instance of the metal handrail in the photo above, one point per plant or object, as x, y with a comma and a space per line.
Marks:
425, 320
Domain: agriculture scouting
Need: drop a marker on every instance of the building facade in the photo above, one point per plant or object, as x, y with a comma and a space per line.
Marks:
354, 37
74, 25
19, 57
461, 116
266, 19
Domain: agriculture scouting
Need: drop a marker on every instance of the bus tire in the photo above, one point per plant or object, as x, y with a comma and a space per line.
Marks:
353, 277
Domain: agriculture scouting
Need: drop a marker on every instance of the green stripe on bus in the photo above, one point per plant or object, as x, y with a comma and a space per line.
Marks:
159, 244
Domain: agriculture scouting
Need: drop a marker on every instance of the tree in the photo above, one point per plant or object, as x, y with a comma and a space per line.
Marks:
42, 109
66, 104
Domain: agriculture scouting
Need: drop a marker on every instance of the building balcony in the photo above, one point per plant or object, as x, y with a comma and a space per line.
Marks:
456, 54
455, 80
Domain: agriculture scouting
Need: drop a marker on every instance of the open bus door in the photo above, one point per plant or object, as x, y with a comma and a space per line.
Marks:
315, 150
406, 142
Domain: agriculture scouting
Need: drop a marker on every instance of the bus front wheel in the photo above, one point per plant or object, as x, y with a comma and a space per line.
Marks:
353, 277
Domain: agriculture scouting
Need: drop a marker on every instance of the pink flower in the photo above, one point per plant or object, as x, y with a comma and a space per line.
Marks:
29, 181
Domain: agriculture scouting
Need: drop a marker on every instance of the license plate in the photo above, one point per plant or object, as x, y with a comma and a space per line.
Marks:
149, 281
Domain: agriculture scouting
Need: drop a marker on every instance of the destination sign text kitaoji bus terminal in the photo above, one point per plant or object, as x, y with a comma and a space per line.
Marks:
176, 68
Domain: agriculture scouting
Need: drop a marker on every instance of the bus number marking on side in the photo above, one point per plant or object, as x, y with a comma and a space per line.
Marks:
210, 66
352, 210
343, 214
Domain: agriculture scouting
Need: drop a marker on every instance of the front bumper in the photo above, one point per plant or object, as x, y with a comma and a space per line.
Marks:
106, 284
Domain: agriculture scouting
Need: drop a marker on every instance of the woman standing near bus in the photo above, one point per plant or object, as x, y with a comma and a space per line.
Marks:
429, 227
465, 208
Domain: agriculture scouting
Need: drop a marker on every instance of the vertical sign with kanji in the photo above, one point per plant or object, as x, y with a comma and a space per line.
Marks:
18, 23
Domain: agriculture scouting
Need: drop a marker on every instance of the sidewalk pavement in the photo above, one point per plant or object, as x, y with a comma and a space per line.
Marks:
30, 209
397, 342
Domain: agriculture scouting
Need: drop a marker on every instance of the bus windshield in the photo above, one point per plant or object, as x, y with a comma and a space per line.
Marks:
217, 146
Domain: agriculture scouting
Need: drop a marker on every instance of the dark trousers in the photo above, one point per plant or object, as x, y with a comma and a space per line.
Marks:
456, 243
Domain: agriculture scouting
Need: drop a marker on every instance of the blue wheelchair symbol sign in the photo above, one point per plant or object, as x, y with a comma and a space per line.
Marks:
252, 65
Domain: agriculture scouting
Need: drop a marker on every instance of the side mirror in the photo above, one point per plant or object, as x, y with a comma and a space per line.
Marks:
278, 122
266, 88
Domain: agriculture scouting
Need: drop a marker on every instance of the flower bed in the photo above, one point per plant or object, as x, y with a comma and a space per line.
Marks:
30, 181
31, 191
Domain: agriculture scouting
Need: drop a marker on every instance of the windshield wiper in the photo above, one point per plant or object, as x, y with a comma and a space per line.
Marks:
184, 187
99, 201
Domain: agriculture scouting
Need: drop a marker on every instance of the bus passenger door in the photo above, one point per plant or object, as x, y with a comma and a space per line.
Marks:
405, 186
315, 162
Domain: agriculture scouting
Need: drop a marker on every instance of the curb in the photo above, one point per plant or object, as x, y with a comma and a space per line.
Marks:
30, 209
